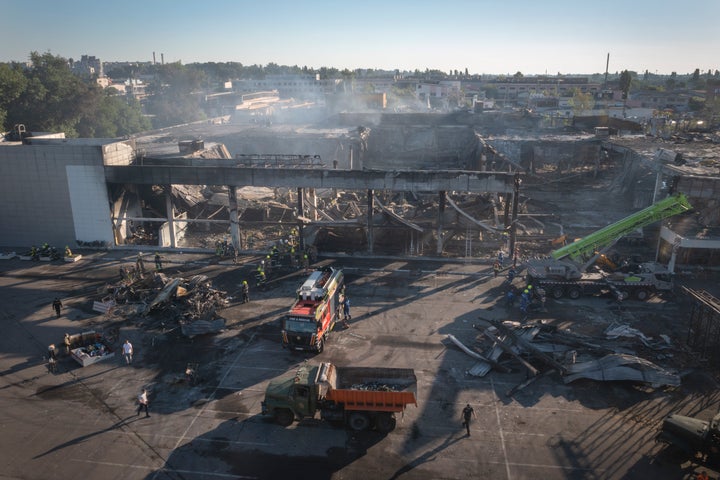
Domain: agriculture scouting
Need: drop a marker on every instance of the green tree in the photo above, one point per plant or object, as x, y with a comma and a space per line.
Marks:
12, 84
625, 83
114, 116
49, 97
54, 99
581, 102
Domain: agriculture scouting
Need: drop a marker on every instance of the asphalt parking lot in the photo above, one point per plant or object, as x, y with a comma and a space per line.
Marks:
82, 422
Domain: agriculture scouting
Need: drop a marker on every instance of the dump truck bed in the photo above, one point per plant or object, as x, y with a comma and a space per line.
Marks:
372, 388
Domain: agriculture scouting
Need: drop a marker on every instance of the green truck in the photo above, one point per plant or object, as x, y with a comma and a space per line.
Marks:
361, 398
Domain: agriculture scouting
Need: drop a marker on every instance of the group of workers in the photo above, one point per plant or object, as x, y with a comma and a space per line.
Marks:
529, 298
137, 272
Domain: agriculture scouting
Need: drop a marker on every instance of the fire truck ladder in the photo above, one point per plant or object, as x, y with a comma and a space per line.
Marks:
585, 251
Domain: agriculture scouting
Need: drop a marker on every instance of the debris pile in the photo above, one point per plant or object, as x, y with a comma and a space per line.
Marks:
192, 303
542, 349
377, 387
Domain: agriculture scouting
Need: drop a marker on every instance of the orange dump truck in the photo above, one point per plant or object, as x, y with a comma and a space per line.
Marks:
359, 397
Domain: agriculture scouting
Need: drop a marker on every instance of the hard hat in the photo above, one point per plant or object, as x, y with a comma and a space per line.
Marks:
245, 282
529, 287
526, 291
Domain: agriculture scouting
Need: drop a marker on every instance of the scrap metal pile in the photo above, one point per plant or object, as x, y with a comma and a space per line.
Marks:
192, 303
378, 387
542, 349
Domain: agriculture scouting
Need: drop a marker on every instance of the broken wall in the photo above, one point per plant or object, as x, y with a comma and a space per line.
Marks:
55, 192
421, 147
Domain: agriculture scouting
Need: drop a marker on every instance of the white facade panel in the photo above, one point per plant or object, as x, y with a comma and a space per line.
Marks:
89, 202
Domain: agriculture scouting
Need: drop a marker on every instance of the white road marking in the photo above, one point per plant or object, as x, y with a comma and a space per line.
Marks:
162, 469
500, 432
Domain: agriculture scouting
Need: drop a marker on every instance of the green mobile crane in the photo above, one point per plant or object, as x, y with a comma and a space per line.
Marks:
565, 272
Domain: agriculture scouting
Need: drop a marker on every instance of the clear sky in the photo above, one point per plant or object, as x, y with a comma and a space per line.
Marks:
484, 36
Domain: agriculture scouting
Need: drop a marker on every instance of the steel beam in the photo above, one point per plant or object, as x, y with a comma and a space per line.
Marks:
406, 180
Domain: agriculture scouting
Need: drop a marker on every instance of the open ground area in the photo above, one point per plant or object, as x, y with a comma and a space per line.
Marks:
82, 423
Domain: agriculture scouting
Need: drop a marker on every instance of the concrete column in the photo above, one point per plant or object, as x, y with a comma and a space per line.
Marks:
441, 212
370, 205
170, 215
506, 216
313, 202
234, 221
513, 223
658, 185
301, 213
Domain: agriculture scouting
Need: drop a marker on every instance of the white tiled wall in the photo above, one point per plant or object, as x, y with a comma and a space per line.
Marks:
89, 201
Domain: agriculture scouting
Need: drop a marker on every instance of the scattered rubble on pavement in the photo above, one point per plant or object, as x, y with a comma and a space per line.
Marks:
166, 303
623, 354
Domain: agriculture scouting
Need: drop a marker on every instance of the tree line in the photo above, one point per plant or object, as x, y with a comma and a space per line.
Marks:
48, 97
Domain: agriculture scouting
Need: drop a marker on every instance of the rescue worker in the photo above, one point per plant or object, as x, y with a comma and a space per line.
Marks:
306, 262
68, 252
140, 265
245, 292
57, 306
496, 269
510, 297
158, 262
511, 274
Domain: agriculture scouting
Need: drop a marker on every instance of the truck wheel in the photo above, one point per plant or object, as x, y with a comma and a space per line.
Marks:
284, 417
385, 422
642, 294
574, 293
557, 293
358, 421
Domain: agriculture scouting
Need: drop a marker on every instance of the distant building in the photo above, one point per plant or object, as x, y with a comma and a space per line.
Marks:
675, 100
512, 88
306, 87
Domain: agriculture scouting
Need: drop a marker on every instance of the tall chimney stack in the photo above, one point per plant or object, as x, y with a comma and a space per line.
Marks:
162, 58
153, 58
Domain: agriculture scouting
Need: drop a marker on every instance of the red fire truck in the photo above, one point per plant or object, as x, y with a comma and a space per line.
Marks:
313, 315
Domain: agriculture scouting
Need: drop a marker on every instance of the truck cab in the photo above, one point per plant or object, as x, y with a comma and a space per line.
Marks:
312, 316
290, 398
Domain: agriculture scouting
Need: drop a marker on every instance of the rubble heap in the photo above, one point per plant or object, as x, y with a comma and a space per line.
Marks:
191, 304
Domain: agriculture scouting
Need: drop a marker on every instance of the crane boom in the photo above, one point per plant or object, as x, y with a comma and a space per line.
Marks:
583, 251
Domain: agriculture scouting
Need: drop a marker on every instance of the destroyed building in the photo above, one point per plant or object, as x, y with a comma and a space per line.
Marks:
435, 184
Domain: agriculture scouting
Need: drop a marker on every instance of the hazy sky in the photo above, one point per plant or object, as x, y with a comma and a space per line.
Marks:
484, 36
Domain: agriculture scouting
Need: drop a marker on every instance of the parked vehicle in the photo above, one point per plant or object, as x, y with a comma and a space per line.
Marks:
315, 311
692, 436
565, 272
359, 397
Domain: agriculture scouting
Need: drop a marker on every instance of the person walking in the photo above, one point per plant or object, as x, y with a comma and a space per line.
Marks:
496, 269
143, 404
52, 358
57, 306
346, 311
68, 344
128, 351
158, 262
467, 414
245, 292
140, 265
